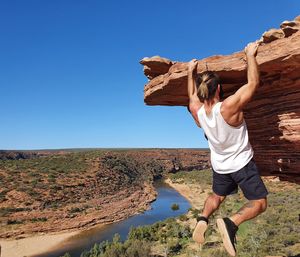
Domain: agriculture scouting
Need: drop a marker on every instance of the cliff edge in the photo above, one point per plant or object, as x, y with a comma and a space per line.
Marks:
273, 115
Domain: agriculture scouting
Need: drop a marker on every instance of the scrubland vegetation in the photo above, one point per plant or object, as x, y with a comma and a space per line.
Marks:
34, 190
274, 233
56, 181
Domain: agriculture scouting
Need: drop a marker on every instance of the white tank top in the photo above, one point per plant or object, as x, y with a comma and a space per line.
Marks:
229, 146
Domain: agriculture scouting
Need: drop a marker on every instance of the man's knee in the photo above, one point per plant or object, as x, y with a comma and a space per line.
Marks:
263, 204
218, 198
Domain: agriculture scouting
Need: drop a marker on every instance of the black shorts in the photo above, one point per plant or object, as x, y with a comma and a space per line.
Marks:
247, 178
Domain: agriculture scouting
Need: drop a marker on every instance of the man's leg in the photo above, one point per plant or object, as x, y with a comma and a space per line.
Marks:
249, 211
229, 226
211, 204
254, 190
223, 185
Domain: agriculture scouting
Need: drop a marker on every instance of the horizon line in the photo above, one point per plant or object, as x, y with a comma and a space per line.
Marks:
101, 148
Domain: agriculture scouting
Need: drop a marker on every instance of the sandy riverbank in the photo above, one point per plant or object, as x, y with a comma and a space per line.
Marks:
33, 245
46, 241
192, 192
38, 244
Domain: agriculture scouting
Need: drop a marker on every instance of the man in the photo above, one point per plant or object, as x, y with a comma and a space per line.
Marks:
231, 152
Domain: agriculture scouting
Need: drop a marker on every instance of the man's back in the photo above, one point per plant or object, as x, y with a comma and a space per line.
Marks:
230, 147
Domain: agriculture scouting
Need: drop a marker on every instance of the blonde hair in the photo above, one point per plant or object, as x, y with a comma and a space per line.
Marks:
203, 87
207, 84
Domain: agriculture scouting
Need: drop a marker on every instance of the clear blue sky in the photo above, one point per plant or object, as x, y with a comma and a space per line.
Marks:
70, 73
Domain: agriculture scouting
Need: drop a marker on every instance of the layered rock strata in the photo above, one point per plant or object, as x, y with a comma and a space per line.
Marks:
273, 115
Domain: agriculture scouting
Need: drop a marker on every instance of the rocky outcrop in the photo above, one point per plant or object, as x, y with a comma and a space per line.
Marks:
16, 155
22, 155
273, 116
155, 66
287, 28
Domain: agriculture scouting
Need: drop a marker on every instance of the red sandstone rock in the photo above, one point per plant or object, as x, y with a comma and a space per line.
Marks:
271, 35
273, 116
290, 27
155, 66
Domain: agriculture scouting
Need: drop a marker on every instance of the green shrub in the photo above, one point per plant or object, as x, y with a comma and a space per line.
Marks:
43, 219
183, 217
76, 209
175, 207
12, 222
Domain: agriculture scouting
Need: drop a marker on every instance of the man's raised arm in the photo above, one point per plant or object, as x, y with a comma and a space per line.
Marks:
194, 102
235, 103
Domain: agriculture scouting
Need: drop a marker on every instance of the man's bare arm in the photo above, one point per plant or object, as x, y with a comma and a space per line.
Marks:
232, 106
194, 102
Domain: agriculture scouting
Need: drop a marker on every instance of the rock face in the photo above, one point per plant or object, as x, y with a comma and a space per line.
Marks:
273, 115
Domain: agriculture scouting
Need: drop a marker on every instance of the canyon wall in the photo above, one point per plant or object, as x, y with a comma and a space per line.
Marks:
272, 116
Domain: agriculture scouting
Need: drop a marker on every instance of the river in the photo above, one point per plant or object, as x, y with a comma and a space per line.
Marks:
160, 210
